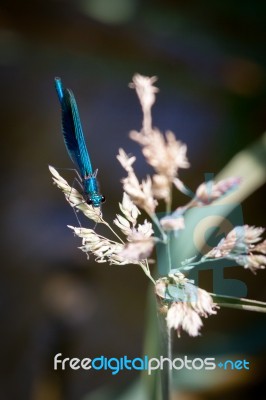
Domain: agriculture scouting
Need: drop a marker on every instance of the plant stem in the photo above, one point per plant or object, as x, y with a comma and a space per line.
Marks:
166, 349
146, 270
114, 232
157, 223
203, 259
169, 202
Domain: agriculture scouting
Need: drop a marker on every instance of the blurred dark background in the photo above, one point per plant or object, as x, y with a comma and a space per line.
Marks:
210, 60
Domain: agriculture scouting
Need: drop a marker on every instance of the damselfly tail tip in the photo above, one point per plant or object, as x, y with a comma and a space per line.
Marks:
59, 87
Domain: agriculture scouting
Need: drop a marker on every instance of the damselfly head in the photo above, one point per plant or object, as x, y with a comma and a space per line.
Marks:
95, 200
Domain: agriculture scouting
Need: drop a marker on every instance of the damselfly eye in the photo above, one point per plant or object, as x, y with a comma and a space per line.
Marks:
89, 201
102, 199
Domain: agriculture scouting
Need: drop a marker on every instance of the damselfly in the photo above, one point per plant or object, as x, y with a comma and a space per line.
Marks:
75, 144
